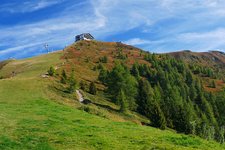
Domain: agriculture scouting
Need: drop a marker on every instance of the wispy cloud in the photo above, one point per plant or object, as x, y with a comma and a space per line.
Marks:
137, 41
57, 32
206, 40
28, 6
163, 25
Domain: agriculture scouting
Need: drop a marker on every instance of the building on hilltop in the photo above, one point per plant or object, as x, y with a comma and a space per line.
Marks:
84, 36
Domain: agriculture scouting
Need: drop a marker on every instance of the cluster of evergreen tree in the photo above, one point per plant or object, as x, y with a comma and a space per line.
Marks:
168, 94
203, 71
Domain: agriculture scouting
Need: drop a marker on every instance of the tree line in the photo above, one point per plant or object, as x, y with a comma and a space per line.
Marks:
168, 93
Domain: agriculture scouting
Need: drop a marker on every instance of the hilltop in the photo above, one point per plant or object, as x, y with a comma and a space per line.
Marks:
37, 112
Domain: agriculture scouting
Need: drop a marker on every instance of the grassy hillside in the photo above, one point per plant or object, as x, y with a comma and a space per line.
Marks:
36, 114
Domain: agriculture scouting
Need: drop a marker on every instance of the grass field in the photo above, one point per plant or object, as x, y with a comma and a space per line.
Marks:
33, 116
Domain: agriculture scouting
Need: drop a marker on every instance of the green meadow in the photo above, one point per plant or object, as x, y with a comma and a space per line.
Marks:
33, 116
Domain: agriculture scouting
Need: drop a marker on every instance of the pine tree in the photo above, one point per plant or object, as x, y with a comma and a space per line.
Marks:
72, 82
63, 77
92, 88
103, 75
148, 106
120, 78
135, 71
82, 85
51, 71
157, 116
121, 98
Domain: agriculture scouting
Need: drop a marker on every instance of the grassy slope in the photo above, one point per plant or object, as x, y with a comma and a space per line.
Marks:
30, 120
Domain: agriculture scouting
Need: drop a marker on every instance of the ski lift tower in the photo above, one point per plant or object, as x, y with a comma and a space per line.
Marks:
46, 47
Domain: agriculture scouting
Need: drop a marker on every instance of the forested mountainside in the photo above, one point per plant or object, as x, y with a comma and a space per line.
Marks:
199, 60
173, 90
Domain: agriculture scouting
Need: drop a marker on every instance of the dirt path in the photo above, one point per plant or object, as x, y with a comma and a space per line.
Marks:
80, 96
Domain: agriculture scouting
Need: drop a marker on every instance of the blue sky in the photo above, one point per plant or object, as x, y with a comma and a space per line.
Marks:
153, 25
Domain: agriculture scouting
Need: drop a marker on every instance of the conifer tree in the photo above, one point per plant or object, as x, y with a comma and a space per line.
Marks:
51, 71
72, 82
103, 74
63, 77
157, 117
120, 78
92, 88
148, 106
121, 98
82, 85
135, 71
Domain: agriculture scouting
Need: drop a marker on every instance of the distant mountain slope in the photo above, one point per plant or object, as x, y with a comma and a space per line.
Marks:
213, 59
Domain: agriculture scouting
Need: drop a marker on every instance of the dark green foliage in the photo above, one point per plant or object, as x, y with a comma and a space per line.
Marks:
63, 77
92, 88
170, 93
120, 54
103, 75
202, 71
103, 59
148, 105
221, 135
121, 98
213, 84
72, 83
121, 79
100, 67
82, 85
134, 71
51, 71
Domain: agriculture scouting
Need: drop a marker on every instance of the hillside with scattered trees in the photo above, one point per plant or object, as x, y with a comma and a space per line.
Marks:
141, 99
170, 92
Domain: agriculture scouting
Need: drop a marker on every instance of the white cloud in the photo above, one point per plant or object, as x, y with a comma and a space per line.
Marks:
137, 41
106, 18
28, 6
215, 34
206, 40
58, 32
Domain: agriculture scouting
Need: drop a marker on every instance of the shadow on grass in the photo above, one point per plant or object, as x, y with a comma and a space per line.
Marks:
106, 107
88, 101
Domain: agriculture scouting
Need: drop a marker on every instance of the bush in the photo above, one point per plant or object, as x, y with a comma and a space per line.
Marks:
82, 85
63, 77
103, 59
51, 71
92, 88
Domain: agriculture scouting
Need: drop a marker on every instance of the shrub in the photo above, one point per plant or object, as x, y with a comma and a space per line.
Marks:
63, 77
92, 88
82, 85
51, 71
103, 59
